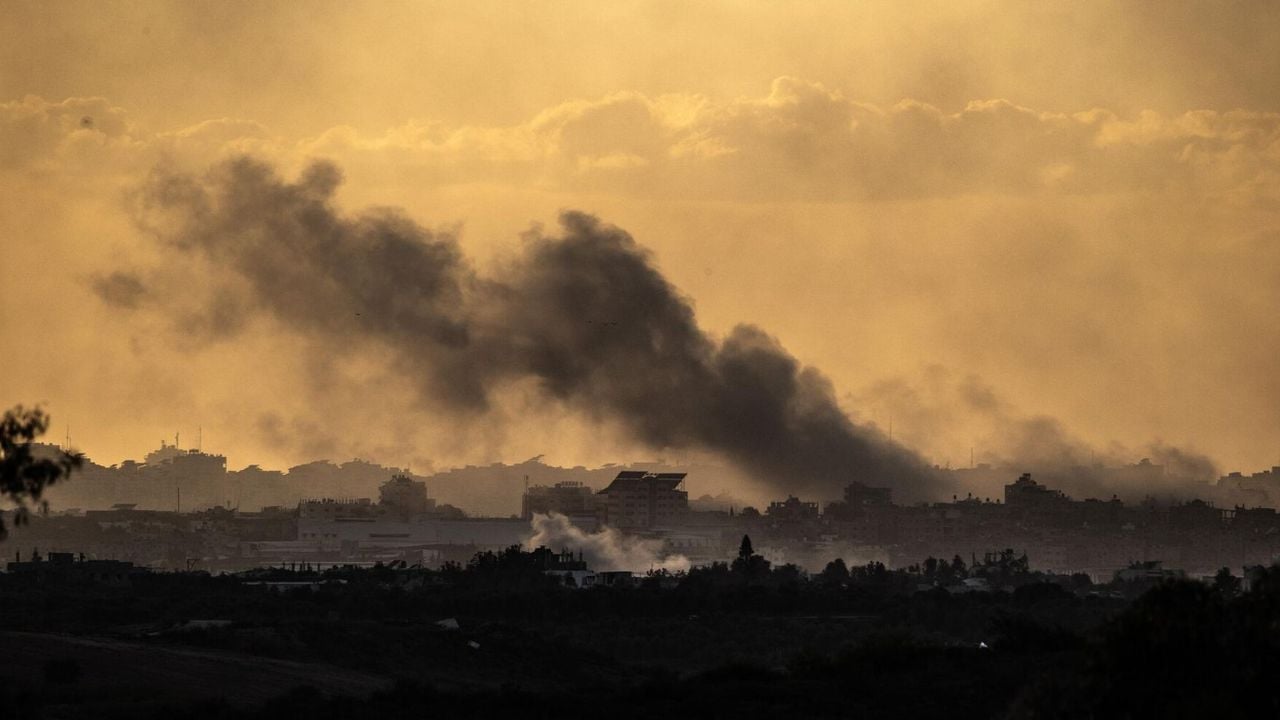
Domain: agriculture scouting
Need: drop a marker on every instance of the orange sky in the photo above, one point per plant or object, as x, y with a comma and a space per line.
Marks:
1070, 211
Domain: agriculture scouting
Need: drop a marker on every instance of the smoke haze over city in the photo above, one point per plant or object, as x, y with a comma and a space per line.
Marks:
739, 358
1097, 254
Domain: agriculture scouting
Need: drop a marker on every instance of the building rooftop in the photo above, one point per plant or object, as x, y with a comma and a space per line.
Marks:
637, 479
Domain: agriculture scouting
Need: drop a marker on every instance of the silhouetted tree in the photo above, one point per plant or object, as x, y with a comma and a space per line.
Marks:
748, 564
1226, 583
23, 475
835, 573
1182, 650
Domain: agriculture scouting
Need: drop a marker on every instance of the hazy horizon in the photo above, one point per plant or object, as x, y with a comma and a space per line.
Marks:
952, 230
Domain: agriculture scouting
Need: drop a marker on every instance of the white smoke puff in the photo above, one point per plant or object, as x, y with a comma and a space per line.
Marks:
606, 549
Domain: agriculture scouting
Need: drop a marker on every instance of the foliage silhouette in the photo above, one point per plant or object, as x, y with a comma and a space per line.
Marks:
24, 475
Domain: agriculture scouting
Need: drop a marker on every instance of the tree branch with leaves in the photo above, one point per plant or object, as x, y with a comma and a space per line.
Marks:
25, 475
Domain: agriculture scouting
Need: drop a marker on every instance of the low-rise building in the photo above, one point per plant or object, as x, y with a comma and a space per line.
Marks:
405, 496
570, 498
65, 567
793, 509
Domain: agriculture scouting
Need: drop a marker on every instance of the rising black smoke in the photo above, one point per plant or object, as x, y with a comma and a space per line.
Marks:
585, 313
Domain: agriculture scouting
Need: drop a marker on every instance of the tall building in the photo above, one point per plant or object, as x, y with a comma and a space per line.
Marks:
640, 500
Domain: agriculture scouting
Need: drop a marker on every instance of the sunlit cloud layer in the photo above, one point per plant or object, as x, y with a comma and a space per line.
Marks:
801, 141
1087, 228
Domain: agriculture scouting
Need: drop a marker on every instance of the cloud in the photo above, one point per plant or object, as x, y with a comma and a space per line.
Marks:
1115, 269
37, 134
801, 141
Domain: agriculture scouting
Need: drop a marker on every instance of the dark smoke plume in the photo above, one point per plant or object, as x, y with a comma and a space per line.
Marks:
585, 313
933, 407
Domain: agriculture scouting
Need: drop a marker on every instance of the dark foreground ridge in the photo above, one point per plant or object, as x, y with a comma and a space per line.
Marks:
507, 634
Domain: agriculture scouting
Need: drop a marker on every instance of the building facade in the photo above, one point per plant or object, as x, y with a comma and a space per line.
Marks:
640, 500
